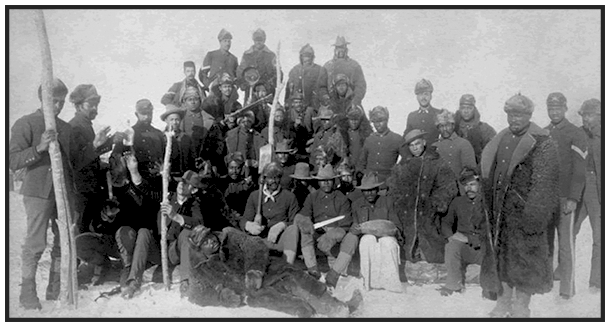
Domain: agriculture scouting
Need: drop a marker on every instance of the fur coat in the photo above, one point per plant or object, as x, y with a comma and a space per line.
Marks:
422, 189
520, 214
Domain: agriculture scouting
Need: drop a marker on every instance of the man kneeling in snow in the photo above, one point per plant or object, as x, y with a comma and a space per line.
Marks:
462, 227
232, 268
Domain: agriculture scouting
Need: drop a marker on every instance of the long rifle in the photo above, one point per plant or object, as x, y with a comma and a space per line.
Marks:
69, 285
165, 175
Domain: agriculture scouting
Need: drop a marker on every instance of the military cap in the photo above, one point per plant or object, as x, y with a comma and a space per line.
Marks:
59, 89
224, 34
236, 156
248, 113
191, 91
259, 35
188, 64
355, 112
285, 146
414, 135
306, 49
556, 99
273, 169
326, 173
192, 178
296, 95
340, 42
143, 105
468, 174
592, 106
467, 99
444, 117
379, 113
341, 78
226, 79
519, 103
83, 93
370, 181
325, 113
423, 86
301, 171
172, 109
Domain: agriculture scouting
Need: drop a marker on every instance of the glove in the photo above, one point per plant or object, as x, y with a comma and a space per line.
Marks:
335, 233
441, 208
355, 229
275, 231
253, 228
304, 224
326, 242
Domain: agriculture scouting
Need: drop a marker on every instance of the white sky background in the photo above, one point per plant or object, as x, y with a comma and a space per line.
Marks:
493, 54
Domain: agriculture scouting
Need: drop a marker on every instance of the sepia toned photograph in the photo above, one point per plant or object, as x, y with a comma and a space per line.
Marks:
348, 163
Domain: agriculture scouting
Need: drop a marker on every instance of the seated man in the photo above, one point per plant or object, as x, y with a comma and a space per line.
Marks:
235, 185
347, 182
246, 140
464, 241
379, 249
284, 155
323, 204
231, 266
278, 208
301, 185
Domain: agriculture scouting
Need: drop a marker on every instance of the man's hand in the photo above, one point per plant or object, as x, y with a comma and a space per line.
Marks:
325, 243
131, 162
441, 208
258, 218
568, 206
356, 229
275, 231
46, 138
254, 228
118, 137
101, 137
304, 224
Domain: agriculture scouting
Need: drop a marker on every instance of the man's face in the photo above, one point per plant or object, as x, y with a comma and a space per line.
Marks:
58, 104
260, 91
341, 89
340, 52
327, 185
278, 116
307, 59
556, 113
259, 44
446, 129
354, 123
272, 183
231, 122
320, 161
592, 121
371, 195
225, 44
173, 122
234, 170
89, 109
246, 122
381, 125
347, 178
210, 245
517, 121
467, 111
184, 189
226, 89
424, 99
472, 189
297, 105
417, 147
145, 116
189, 73
282, 157
192, 103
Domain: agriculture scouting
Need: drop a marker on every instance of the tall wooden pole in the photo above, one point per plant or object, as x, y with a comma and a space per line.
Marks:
69, 284
165, 174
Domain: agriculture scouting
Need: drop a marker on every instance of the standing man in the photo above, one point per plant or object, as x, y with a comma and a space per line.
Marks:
468, 125
218, 62
342, 95
423, 118
175, 93
28, 149
456, 151
182, 157
342, 64
261, 58
358, 131
246, 140
221, 102
572, 148
308, 79
520, 172
88, 148
381, 149
591, 202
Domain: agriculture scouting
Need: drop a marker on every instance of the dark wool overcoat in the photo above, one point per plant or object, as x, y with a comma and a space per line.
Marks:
521, 212
421, 187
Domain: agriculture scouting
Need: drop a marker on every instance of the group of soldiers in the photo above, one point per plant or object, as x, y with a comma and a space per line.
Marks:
461, 193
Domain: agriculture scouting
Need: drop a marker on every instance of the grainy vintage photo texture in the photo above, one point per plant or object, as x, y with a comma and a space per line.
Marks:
133, 54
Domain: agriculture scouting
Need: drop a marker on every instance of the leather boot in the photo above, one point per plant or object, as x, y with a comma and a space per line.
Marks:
341, 263
54, 286
504, 304
332, 277
521, 306
28, 298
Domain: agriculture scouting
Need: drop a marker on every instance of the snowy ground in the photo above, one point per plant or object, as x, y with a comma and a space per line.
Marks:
416, 301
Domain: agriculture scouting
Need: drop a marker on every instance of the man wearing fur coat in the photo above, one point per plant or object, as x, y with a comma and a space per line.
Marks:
520, 173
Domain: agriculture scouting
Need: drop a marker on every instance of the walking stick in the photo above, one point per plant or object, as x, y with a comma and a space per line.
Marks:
165, 174
69, 284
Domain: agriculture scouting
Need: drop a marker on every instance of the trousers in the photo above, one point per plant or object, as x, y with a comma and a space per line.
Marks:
379, 261
590, 206
96, 248
39, 212
458, 255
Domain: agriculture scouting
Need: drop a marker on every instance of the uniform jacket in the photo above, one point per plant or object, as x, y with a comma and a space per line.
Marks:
351, 68
182, 157
475, 131
263, 61
219, 63
457, 153
521, 212
176, 92
340, 105
147, 147
283, 131
86, 159
218, 107
572, 149
382, 209
25, 136
311, 81
421, 187
237, 138
380, 153
283, 209
467, 217
236, 193
321, 206
594, 149
425, 122
357, 138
